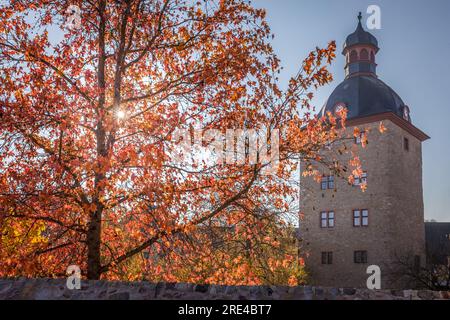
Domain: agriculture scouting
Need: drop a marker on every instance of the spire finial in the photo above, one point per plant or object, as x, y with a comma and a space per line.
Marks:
360, 16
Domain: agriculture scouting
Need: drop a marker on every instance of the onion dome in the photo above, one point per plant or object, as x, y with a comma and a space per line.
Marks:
362, 93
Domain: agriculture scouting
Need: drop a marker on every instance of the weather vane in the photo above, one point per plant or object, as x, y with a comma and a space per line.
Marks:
360, 16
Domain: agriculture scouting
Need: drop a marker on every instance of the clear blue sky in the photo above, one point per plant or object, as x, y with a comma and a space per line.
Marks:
414, 60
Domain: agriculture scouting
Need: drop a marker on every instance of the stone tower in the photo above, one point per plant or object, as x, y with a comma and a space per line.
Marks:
345, 230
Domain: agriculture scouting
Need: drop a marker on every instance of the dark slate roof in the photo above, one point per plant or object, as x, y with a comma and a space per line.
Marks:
360, 36
363, 96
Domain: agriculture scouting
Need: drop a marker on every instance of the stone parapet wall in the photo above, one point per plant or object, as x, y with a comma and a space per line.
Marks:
51, 289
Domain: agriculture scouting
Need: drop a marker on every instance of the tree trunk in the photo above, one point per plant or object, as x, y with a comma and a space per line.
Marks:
95, 223
94, 241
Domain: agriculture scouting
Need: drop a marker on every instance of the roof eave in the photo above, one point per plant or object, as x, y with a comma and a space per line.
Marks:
402, 123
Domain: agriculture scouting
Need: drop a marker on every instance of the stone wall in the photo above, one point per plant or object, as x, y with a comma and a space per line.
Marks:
50, 289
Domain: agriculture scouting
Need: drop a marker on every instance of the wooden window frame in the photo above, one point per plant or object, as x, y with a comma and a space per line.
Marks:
360, 218
327, 219
327, 183
360, 180
358, 138
327, 257
363, 254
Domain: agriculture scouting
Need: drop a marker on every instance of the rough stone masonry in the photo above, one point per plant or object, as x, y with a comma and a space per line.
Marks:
56, 289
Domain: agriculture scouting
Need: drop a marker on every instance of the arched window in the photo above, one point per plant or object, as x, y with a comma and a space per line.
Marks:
364, 55
353, 56
372, 56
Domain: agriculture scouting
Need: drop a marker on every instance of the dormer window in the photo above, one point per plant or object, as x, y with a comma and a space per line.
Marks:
339, 107
406, 114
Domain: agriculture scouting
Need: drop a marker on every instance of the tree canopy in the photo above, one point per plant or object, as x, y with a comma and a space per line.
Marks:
89, 170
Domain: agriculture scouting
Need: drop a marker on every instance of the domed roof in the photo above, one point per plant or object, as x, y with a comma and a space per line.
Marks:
360, 36
363, 96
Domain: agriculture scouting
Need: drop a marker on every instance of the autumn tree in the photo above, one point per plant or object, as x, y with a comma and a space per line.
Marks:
88, 161
226, 256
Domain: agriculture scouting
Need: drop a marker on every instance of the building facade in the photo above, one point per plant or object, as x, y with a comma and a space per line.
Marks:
344, 230
437, 236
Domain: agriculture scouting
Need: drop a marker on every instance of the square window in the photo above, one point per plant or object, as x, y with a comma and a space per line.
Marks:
327, 182
360, 256
360, 218
360, 180
327, 219
327, 257
359, 138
